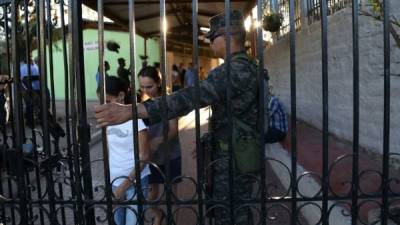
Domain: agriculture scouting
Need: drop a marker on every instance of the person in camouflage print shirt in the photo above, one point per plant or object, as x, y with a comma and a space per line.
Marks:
244, 105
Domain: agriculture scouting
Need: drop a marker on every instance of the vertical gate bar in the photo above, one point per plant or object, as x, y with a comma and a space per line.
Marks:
27, 55
67, 108
83, 128
6, 19
50, 52
9, 70
4, 132
100, 11
263, 100
18, 119
19, 89
132, 53
199, 152
386, 111
229, 106
356, 112
37, 170
53, 94
2, 205
308, 11
77, 179
43, 77
325, 128
163, 62
44, 109
293, 103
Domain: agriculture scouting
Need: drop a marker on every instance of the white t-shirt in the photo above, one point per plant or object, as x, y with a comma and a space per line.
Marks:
121, 151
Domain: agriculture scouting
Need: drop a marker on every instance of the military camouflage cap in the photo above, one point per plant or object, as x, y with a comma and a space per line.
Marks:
218, 21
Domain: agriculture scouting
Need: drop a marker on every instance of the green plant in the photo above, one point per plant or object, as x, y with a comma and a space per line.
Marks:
377, 12
272, 22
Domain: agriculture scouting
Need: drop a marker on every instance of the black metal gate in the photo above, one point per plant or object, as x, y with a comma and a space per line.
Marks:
46, 167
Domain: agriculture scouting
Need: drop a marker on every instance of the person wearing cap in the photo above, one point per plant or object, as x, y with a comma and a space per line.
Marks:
213, 91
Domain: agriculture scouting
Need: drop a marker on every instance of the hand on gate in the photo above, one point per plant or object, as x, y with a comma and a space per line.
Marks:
119, 193
112, 113
3, 81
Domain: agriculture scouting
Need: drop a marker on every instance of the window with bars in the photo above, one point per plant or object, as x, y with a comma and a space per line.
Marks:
313, 8
283, 7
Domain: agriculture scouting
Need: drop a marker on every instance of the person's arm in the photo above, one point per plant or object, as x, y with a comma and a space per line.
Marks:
3, 79
178, 103
116, 113
211, 90
144, 155
172, 133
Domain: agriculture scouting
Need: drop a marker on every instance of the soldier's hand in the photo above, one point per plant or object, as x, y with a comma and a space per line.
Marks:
3, 79
112, 113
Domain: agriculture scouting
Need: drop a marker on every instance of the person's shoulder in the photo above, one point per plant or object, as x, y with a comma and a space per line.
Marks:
217, 70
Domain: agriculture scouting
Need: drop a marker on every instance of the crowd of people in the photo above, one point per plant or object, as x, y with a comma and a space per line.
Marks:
182, 78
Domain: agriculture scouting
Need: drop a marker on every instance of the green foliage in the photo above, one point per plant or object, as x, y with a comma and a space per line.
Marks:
272, 22
378, 14
376, 6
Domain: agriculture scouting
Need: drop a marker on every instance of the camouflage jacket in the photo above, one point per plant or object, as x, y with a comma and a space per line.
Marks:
244, 97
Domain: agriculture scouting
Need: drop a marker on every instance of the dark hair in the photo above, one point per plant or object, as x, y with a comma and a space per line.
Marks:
106, 63
150, 72
114, 86
175, 67
121, 60
156, 64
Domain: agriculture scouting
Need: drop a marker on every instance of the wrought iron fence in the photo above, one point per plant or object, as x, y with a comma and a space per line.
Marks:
47, 173
314, 13
283, 8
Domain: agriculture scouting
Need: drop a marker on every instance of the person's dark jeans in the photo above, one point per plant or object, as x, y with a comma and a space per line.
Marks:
34, 101
274, 135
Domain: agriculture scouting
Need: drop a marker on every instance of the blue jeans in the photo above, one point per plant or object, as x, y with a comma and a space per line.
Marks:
126, 214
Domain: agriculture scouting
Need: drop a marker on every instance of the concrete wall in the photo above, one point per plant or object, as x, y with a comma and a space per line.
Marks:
340, 61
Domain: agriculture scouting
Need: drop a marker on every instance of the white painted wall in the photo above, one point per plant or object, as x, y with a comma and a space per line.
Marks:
340, 60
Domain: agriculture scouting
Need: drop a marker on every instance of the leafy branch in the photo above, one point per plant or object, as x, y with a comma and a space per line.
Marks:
377, 13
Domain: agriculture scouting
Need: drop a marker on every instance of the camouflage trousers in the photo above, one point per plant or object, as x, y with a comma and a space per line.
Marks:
242, 189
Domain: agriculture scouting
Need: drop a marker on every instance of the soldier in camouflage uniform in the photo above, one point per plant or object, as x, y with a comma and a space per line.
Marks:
244, 105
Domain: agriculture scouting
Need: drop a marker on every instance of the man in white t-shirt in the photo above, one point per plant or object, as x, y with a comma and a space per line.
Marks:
122, 165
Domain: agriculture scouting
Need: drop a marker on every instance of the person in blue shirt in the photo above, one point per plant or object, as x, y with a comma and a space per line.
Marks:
278, 122
31, 87
34, 71
29, 70
106, 69
189, 76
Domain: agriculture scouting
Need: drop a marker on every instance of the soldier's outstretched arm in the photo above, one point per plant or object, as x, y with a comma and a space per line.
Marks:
182, 102
179, 103
116, 113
